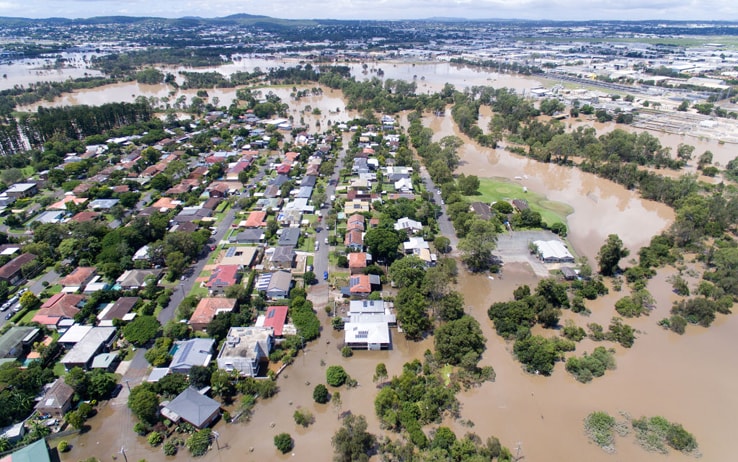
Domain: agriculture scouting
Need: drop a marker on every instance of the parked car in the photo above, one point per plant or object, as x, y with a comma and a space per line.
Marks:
9, 315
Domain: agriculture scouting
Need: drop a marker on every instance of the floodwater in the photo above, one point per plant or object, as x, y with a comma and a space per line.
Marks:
253, 440
601, 207
688, 379
663, 374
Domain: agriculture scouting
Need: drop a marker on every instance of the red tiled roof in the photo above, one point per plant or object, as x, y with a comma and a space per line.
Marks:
208, 308
276, 316
357, 260
360, 284
223, 276
79, 276
256, 220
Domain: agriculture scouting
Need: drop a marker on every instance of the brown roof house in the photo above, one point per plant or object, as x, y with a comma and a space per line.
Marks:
11, 272
78, 279
208, 308
57, 400
357, 262
118, 310
58, 307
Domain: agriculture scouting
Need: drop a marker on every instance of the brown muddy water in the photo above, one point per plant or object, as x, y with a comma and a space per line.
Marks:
601, 207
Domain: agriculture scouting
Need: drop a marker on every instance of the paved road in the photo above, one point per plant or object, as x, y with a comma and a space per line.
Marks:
444, 224
188, 281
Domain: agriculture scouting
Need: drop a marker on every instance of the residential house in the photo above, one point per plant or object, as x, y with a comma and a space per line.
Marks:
136, 279
239, 255
367, 335
120, 309
481, 210
354, 240
78, 279
86, 216
12, 271
404, 185
275, 318
283, 256
249, 236
97, 340
256, 220
74, 335
355, 222
276, 285
358, 262
192, 407
189, 353
57, 399
208, 308
246, 350
21, 190
59, 307
361, 285
356, 206
289, 236
17, 341
221, 277
103, 204
520, 204
421, 248
408, 225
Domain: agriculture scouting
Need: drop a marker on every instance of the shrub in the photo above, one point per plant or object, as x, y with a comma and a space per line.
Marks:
199, 442
303, 417
63, 446
347, 352
283, 442
320, 394
140, 428
155, 438
335, 376
170, 448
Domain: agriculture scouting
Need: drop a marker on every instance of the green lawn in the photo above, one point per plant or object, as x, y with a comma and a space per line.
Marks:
26, 318
493, 190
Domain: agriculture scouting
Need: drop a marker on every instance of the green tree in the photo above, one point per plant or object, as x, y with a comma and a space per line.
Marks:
176, 264
412, 313
451, 306
380, 373
144, 404
352, 442
303, 417
383, 243
610, 255
442, 244
335, 376
455, 340
283, 442
75, 419
320, 394
101, 384
407, 271
477, 246
141, 330
468, 184
29, 301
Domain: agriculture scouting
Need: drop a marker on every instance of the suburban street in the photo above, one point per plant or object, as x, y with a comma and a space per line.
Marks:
444, 224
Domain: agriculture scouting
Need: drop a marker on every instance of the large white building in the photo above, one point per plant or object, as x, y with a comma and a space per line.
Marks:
246, 349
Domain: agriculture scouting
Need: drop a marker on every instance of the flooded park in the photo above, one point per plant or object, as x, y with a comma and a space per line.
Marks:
687, 379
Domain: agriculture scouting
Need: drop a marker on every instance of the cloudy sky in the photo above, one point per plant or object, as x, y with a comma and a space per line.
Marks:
382, 9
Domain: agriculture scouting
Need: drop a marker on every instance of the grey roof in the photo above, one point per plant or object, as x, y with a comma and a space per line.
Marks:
289, 236
193, 407
85, 349
194, 352
11, 342
308, 180
103, 360
283, 254
280, 280
280, 179
103, 203
249, 235
305, 192
137, 278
